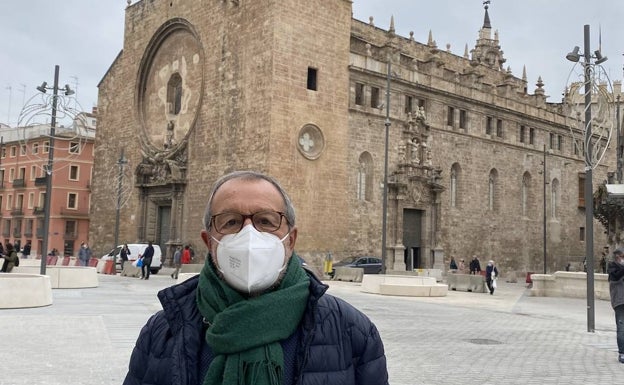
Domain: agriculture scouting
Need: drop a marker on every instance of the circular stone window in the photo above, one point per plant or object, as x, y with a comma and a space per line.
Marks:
310, 141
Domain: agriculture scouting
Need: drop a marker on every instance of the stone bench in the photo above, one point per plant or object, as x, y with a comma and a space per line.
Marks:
569, 284
130, 270
191, 268
403, 285
24, 290
466, 282
436, 273
65, 277
348, 274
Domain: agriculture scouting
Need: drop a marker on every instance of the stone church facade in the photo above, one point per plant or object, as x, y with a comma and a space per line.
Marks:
298, 90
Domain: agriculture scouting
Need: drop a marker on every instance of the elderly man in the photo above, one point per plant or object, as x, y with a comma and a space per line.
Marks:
254, 315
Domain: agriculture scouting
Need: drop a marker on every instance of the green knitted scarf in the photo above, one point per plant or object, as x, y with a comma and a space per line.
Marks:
245, 332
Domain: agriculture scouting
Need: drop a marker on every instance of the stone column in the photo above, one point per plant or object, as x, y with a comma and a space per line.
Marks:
398, 249
438, 251
142, 222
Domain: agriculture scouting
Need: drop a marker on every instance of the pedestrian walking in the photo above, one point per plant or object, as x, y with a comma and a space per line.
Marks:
147, 256
616, 290
176, 262
491, 273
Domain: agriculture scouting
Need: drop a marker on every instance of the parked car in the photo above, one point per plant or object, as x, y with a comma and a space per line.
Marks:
136, 249
371, 265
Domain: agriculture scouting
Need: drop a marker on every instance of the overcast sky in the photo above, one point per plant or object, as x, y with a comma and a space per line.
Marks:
84, 36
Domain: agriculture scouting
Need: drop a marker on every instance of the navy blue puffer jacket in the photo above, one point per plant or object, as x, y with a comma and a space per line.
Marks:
339, 344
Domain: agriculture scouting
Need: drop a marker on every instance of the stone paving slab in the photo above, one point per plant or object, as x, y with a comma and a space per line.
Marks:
86, 335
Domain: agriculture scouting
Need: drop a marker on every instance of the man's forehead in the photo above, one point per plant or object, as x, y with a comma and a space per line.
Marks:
236, 189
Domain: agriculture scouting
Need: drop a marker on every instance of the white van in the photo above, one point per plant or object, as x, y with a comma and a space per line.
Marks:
137, 249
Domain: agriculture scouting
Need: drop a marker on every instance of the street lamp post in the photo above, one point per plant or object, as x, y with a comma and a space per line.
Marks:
544, 224
620, 141
121, 163
588, 67
384, 222
48, 168
589, 202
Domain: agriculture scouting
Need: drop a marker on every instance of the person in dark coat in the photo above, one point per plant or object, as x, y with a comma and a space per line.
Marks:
491, 273
475, 265
84, 254
616, 291
453, 264
147, 256
254, 315
124, 254
26, 250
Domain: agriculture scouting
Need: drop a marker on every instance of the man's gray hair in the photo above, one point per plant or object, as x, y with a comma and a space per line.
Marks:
289, 211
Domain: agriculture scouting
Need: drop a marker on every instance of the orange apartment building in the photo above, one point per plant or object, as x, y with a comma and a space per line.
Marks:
24, 158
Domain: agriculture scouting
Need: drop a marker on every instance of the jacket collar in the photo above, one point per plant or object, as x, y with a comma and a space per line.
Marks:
178, 301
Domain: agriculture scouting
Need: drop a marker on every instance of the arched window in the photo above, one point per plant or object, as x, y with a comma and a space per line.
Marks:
526, 188
174, 94
554, 198
365, 177
455, 173
492, 200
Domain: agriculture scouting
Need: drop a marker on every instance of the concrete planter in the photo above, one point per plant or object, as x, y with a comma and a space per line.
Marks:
65, 277
570, 284
403, 285
24, 290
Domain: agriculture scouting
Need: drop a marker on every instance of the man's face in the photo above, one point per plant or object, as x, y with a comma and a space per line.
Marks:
248, 197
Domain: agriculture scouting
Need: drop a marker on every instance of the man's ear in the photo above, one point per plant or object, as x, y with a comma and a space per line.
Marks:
206, 238
291, 239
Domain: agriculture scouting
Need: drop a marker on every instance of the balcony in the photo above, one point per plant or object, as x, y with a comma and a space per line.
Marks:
75, 213
17, 212
28, 233
39, 210
39, 233
17, 233
41, 181
19, 183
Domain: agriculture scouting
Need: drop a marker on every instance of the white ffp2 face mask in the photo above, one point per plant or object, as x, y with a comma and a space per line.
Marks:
251, 261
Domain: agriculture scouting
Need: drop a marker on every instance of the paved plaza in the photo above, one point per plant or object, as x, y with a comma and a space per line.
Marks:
86, 336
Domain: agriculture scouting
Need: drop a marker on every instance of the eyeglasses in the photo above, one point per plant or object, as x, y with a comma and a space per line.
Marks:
232, 223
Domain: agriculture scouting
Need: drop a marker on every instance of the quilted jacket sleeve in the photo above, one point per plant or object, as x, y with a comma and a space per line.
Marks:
368, 351
150, 356
345, 348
